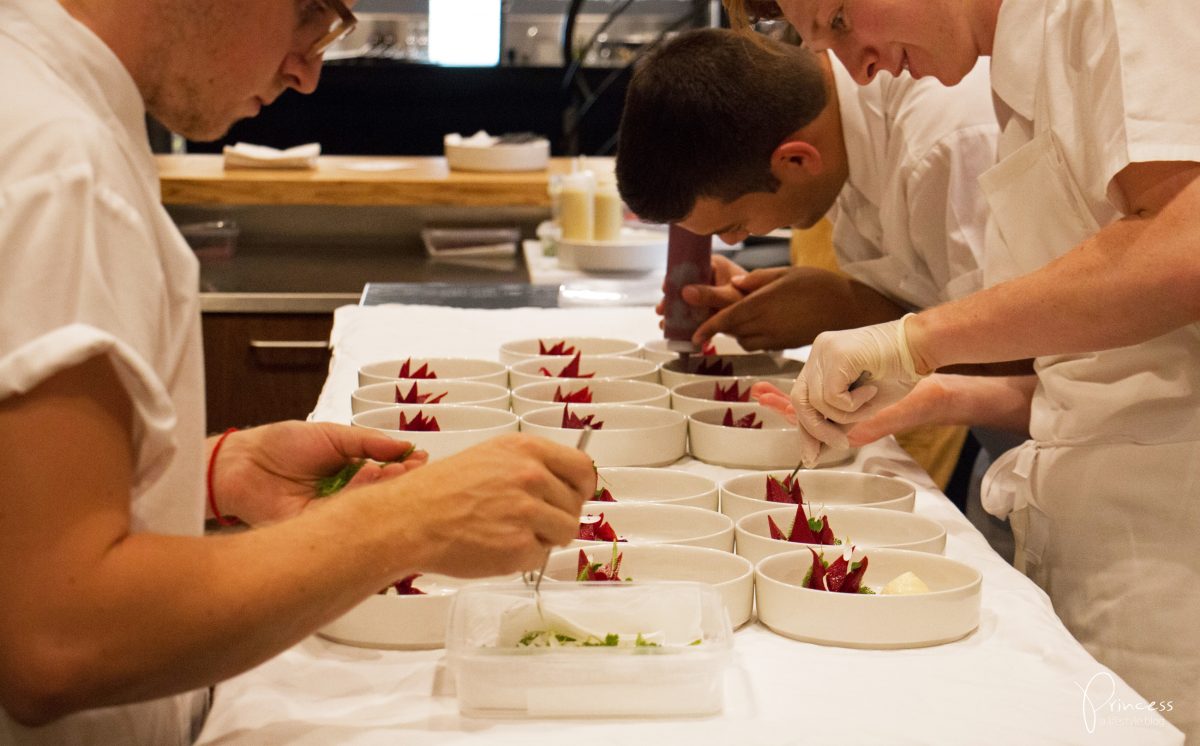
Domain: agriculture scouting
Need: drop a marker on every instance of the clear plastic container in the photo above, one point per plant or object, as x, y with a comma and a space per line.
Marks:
212, 240
658, 649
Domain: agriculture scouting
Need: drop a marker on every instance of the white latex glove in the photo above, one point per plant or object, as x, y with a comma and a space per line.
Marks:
849, 376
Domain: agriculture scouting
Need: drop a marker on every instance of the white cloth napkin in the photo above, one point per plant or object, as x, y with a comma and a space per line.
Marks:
246, 155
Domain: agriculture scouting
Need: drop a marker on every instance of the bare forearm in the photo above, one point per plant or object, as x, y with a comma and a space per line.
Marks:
1001, 403
1134, 280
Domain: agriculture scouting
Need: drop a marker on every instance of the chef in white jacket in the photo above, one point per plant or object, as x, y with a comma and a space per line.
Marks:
1093, 257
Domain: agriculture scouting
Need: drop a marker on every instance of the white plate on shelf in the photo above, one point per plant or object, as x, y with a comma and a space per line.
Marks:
637, 250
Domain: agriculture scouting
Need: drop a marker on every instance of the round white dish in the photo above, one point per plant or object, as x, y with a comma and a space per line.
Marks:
632, 435
731, 575
637, 250
444, 368
693, 396
655, 523
460, 426
520, 349
474, 393
539, 394
487, 154
530, 370
747, 493
701, 367
656, 349
864, 528
632, 484
949, 611
395, 622
773, 446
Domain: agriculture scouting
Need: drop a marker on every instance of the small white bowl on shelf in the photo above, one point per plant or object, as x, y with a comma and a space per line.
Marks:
747, 493
693, 396
521, 349
775, 445
731, 575
539, 394
707, 367
948, 611
439, 368
474, 393
653, 523
532, 370
503, 153
634, 484
635, 250
399, 622
864, 528
656, 349
631, 435
460, 427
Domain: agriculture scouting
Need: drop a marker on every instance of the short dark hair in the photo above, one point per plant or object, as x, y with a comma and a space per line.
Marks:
704, 112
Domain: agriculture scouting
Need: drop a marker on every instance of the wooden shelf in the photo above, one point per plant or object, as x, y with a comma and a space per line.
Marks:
351, 180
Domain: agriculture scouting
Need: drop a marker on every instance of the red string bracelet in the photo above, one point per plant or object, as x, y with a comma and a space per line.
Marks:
212, 500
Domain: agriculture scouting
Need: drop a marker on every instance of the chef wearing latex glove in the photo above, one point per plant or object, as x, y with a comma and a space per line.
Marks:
849, 376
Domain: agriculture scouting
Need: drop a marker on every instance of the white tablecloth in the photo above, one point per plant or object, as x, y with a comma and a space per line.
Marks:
1019, 679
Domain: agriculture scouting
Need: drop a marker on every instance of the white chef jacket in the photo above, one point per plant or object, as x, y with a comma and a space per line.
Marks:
90, 263
1107, 494
910, 220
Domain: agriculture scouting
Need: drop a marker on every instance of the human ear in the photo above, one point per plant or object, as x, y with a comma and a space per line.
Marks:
796, 158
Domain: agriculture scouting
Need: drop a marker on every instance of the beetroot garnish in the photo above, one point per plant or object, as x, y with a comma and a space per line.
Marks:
413, 397
420, 422
839, 576
716, 367
572, 421
786, 490
749, 421
422, 372
730, 394
595, 528
708, 348
557, 349
602, 495
404, 586
586, 570
571, 370
582, 396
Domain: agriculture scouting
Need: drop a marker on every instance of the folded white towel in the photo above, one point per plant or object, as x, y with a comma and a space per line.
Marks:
245, 155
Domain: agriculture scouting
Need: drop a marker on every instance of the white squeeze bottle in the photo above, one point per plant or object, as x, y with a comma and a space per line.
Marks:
576, 206
610, 212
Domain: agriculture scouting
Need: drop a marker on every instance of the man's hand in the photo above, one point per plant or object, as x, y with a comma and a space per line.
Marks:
269, 473
720, 294
493, 509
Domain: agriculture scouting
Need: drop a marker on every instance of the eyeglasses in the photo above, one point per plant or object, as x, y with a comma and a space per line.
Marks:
339, 28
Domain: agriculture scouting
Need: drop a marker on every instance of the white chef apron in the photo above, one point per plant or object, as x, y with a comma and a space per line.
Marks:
1104, 501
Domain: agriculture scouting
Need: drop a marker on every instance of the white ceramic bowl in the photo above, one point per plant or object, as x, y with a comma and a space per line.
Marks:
693, 396
632, 435
460, 426
636, 250
752, 364
652, 523
530, 369
520, 349
773, 446
731, 575
747, 493
445, 368
656, 349
864, 528
539, 394
663, 486
475, 393
395, 622
467, 154
949, 611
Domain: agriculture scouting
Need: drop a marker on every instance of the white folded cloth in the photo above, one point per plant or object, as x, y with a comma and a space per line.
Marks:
245, 155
